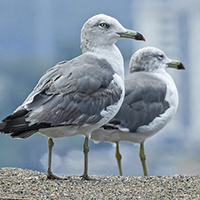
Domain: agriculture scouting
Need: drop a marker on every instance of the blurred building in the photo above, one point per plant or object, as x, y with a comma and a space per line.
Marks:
169, 25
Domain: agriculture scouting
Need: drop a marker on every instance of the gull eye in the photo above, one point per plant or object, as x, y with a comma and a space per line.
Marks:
160, 56
104, 25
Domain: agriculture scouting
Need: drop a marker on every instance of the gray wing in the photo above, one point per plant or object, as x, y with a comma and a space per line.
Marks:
144, 101
73, 92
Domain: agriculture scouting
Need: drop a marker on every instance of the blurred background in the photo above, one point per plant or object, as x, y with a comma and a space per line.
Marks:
35, 35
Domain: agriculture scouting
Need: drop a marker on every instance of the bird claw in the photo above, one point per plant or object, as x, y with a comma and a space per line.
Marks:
52, 176
85, 177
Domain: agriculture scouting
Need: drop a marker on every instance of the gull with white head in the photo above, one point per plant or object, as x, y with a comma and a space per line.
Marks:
76, 96
151, 100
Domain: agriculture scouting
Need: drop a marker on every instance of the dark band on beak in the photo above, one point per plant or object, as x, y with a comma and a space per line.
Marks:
132, 35
139, 36
181, 66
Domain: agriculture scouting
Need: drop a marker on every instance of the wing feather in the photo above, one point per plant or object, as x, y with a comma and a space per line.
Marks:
144, 101
73, 92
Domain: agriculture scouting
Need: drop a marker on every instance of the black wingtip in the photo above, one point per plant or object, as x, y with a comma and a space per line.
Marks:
2, 127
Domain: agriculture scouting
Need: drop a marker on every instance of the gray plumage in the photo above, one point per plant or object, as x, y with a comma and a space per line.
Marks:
144, 101
87, 90
151, 100
78, 96
69, 95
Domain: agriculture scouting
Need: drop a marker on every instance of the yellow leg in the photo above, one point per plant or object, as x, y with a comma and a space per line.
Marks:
143, 159
85, 151
118, 157
50, 174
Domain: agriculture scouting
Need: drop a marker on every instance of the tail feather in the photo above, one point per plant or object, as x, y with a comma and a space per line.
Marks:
15, 115
17, 126
23, 135
2, 127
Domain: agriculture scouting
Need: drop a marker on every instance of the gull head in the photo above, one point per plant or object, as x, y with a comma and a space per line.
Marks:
103, 30
152, 59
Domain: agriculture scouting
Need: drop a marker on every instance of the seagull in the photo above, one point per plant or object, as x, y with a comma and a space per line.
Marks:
150, 102
76, 96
